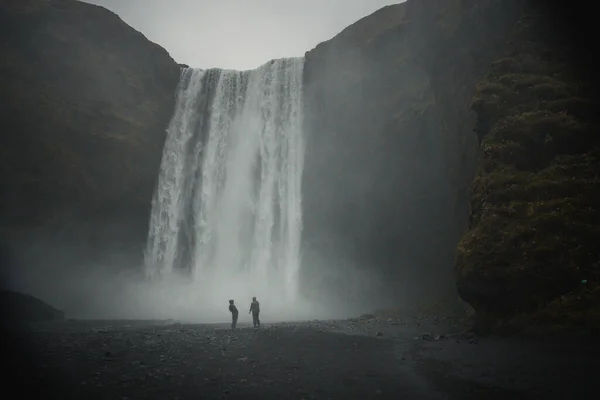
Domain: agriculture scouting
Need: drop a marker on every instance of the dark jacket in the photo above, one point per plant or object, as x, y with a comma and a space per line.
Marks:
255, 307
233, 309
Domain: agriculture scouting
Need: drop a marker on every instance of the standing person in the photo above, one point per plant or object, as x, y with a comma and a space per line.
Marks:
255, 310
234, 314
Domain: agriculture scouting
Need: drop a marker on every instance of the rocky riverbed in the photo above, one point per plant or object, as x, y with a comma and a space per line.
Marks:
362, 358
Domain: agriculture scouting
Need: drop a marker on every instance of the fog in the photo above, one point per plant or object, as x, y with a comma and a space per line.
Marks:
239, 34
114, 290
102, 293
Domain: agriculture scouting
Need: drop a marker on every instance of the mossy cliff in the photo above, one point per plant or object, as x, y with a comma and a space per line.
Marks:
527, 254
471, 117
88, 101
532, 247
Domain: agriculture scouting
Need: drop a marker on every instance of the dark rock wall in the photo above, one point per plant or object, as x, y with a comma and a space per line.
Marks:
19, 307
82, 133
455, 42
395, 191
537, 183
523, 180
375, 195
404, 114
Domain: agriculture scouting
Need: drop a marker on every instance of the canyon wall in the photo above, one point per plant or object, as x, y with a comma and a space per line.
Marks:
501, 94
375, 194
82, 132
449, 147
526, 176
391, 150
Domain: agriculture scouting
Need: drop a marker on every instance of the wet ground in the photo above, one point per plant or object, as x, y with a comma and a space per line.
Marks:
366, 358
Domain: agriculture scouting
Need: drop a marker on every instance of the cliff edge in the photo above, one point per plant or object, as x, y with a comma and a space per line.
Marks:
441, 129
517, 107
82, 134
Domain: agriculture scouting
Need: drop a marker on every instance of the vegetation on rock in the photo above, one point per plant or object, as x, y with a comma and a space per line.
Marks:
531, 253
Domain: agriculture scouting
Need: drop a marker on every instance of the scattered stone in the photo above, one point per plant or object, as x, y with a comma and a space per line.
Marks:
427, 337
379, 334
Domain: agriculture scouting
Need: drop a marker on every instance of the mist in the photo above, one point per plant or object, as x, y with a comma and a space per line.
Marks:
118, 290
99, 293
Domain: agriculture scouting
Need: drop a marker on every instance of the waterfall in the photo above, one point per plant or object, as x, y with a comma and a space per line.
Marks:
227, 208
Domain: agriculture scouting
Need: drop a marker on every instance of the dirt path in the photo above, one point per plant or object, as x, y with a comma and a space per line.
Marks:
351, 359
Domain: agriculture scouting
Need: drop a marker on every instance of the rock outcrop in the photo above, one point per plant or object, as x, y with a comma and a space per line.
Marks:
527, 254
534, 224
430, 124
509, 169
375, 195
19, 307
82, 134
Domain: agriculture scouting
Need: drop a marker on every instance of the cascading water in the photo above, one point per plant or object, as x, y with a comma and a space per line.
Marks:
227, 209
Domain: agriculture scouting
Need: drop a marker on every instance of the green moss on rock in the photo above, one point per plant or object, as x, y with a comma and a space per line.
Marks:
534, 224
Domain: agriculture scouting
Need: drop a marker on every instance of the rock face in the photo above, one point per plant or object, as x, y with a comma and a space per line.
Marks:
531, 233
466, 117
82, 134
455, 42
429, 124
25, 308
375, 195
534, 219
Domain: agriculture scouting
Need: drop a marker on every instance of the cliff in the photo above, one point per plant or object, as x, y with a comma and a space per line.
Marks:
460, 126
82, 134
524, 170
375, 197
19, 307
531, 256
450, 148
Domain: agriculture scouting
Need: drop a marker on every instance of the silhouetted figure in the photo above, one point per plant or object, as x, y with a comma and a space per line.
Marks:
255, 310
234, 314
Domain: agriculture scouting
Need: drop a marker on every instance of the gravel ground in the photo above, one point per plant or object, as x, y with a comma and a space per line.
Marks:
361, 358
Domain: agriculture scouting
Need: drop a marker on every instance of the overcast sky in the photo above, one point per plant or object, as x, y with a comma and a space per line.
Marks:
239, 34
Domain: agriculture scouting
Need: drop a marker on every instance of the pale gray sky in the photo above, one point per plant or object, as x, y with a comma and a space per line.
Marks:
239, 34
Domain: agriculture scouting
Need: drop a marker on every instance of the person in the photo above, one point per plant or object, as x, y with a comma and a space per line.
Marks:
234, 314
255, 310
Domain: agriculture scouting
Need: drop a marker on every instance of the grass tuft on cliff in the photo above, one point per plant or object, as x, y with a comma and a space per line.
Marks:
535, 225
